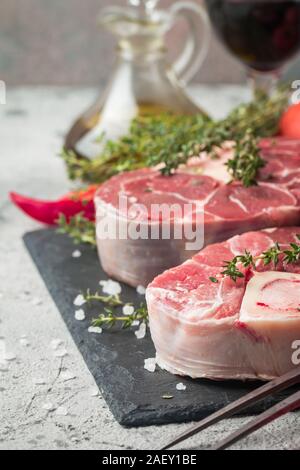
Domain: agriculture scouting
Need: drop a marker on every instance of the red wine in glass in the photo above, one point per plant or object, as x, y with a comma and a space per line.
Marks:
263, 34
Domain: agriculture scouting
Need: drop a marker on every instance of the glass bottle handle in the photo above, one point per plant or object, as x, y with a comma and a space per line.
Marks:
196, 48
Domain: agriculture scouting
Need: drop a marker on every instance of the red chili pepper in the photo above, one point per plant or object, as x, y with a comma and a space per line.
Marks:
69, 205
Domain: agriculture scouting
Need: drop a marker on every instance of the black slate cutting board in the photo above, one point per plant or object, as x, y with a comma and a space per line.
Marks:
116, 357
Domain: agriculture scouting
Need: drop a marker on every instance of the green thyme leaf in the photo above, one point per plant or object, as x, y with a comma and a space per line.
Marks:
79, 229
171, 139
111, 317
272, 255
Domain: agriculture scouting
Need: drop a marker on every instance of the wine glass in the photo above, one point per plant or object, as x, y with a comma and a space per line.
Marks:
263, 34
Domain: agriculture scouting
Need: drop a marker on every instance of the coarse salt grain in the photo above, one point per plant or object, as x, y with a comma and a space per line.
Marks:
39, 381
80, 315
60, 353
79, 300
48, 406
61, 411
135, 323
95, 329
67, 375
76, 254
150, 364
128, 310
141, 290
180, 386
55, 343
141, 332
10, 357
36, 301
24, 342
94, 392
111, 287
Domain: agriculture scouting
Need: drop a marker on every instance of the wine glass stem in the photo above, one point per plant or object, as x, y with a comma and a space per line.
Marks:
263, 81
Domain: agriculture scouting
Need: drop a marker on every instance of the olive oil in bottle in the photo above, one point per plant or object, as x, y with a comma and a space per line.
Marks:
143, 82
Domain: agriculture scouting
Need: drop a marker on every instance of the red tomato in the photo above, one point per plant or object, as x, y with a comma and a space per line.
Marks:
290, 122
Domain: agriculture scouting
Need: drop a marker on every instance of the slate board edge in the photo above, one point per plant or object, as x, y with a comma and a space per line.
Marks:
130, 416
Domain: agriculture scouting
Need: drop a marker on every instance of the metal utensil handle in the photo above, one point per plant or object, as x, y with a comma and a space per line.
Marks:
196, 47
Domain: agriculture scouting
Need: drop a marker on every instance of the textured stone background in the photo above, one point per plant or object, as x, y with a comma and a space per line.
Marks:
32, 125
58, 42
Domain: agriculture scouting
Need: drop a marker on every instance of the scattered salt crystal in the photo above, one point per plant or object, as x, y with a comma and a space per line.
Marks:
95, 329
94, 392
141, 290
128, 310
79, 301
24, 342
76, 254
61, 411
39, 381
141, 332
48, 406
180, 386
36, 301
55, 343
111, 287
150, 364
80, 315
135, 323
23, 336
10, 356
67, 375
3, 367
60, 353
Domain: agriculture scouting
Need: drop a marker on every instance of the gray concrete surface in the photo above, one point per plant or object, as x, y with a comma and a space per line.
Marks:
32, 125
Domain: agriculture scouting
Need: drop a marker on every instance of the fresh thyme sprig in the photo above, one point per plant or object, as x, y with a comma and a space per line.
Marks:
110, 318
152, 139
231, 269
111, 315
172, 139
293, 255
111, 300
272, 255
246, 162
79, 228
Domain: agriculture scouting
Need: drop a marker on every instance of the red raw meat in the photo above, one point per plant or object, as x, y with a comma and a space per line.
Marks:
229, 209
228, 330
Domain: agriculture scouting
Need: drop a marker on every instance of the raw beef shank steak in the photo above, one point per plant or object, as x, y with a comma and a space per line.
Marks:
220, 209
246, 329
